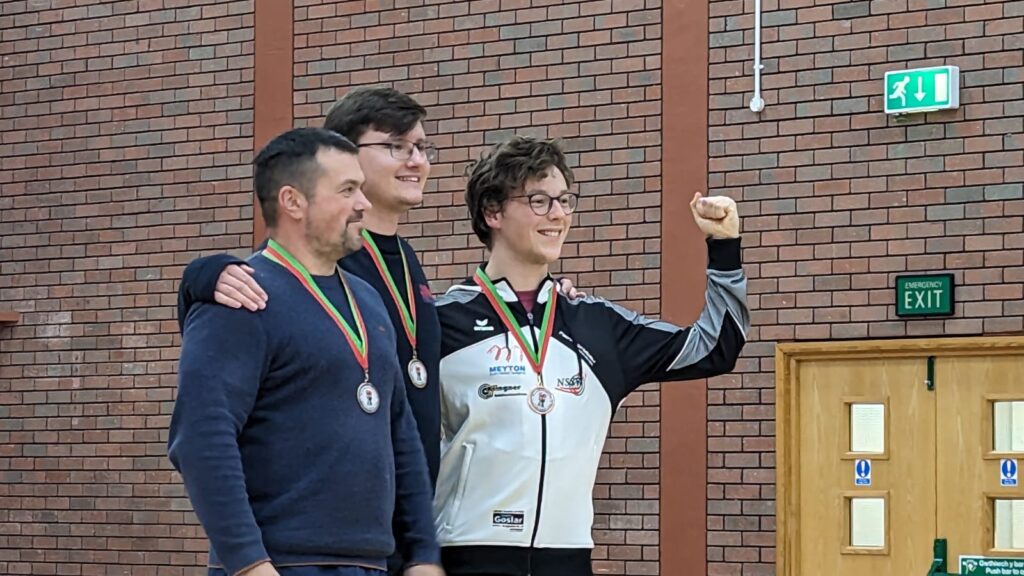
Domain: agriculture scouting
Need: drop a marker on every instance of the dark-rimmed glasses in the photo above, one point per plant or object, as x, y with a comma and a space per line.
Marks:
541, 203
403, 150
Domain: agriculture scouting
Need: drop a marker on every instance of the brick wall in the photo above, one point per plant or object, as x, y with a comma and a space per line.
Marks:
125, 138
838, 199
126, 133
587, 72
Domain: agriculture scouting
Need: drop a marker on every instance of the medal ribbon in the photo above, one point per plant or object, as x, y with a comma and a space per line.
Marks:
536, 357
356, 341
408, 313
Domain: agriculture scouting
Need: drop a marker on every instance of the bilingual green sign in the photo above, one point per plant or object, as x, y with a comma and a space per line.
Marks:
982, 566
922, 90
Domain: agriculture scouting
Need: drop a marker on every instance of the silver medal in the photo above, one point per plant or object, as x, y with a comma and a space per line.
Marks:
417, 373
541, 400
369, 399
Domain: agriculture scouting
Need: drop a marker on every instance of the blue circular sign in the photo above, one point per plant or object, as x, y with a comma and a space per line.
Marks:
1009, 468
863, 468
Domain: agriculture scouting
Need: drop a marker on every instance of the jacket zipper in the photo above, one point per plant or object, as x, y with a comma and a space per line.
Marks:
543, 456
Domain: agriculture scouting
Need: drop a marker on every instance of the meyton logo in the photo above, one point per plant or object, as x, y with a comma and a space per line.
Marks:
508, 370
483, 325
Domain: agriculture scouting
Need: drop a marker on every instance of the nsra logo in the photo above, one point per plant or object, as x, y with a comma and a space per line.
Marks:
573, 385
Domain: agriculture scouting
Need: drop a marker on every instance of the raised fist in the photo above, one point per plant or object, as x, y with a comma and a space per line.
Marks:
716, 216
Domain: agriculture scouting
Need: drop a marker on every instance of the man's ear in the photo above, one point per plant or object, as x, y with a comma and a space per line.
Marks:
292, 202
493, 217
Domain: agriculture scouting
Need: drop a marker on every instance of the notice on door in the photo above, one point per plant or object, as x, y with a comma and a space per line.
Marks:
867, 428
982, 566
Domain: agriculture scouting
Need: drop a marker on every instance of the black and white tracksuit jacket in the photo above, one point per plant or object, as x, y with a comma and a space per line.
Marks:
514, 491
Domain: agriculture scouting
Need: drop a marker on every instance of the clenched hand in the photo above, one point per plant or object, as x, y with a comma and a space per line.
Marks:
716, 216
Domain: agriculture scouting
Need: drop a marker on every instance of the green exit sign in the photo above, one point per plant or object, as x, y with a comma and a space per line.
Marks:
922, 90
925, 295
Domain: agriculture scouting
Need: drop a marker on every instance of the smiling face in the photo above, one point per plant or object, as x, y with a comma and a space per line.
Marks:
531, 238
393, 185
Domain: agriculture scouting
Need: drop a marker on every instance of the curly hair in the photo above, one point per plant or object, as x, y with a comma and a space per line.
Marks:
504, 169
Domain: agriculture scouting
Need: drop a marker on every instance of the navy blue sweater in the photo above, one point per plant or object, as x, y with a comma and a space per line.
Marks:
278, 458
200, 279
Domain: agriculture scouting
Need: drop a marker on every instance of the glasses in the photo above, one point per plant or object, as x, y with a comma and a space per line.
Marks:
403, 150
541, 203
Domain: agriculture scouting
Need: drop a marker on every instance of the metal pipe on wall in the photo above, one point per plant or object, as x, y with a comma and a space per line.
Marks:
757, 103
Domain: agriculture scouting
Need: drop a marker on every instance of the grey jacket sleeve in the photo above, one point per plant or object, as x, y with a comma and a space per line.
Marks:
656, 351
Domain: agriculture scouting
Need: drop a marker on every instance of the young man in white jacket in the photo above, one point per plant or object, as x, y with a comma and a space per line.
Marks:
530, 379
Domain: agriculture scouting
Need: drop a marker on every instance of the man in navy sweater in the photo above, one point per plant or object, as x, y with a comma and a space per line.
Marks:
291, 429
395, 158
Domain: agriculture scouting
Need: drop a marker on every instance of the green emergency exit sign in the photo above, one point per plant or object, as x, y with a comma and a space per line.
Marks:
925, 295
922, 90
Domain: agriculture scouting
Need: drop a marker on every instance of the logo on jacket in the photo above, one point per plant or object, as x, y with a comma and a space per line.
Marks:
507, 352
573, 385
487, 391
507, 370
512, 520
483, 325
425, 293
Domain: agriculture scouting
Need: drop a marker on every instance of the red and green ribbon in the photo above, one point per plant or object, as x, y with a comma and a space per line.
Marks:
356, 338
406, 310
536, 357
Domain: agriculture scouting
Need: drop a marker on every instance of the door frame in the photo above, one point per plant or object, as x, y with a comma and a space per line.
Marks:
787, 411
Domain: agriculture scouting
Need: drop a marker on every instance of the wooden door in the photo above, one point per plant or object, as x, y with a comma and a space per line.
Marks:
884, 446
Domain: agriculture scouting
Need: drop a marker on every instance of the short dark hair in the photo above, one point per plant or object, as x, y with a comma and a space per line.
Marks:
290, 160
372, 107
505, 168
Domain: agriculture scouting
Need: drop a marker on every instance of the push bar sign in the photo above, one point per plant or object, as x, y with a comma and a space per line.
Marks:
981, 566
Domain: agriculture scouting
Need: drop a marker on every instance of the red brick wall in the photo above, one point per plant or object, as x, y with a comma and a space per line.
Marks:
126, 134
838, 199
125, 138
588, 72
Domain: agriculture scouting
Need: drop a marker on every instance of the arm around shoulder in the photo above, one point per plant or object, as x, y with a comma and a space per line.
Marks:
199, 281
